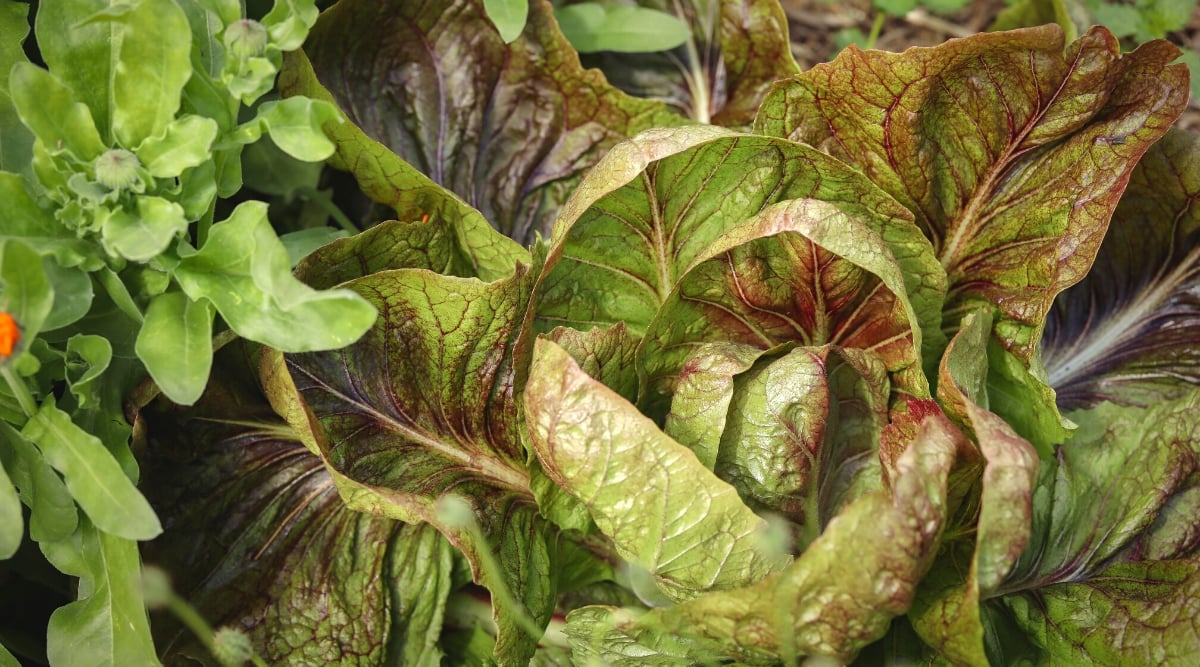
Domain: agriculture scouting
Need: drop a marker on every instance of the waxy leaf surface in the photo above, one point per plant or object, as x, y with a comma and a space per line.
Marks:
508, 127
734, 51
1128, 332
258, 538
1011, 151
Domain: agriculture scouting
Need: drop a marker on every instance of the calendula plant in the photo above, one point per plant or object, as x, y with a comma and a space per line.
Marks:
114, 158
716, 361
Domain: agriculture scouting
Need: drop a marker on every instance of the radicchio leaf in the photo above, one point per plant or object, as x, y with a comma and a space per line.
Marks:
508, 127
664, 213
947, 611
257, 538
1011, 152
418, 419
663, 510
1129, 331
736, 50
441, 233
822, 604
802, 430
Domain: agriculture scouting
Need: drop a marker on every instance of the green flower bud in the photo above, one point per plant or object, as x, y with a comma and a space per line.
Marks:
156, 587
117, 169
246, 38
231, 647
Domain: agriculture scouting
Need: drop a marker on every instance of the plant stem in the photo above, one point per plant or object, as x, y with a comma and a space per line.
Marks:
321, 199
19, 389
199, 627
876, 28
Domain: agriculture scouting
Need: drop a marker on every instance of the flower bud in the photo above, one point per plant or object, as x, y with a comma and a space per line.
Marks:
117, 168
246, 38
232, 647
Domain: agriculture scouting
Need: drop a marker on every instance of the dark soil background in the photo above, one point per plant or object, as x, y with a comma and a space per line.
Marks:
813, 25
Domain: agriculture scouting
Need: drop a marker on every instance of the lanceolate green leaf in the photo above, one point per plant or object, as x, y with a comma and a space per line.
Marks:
257, 537
175, 343
1011, 152
692, 533
508, 127
734, 51
1128, 331
15, 139
53, 112
419, 416
458, 242
825, 603
12, 523
52, 512
25, 291
129, 67
107, 625
91, 473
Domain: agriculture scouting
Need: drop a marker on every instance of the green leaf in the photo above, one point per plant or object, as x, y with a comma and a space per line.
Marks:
1029, 13
185, 143
150, 70
508, 16
607, 355
439, 429
52, 514
175, 343
50, 109
73, 294
733, 51
824, 603
16, 142
91, 473
25, 291
457, 240
548, 119
107, 625
7, 659
88, 357
36, 228
302, 243
703, 393
1010, 150
244, 271
289, 21
1127, 332
1105, 487
12, 523
258, 537
1127, 614
592, 27
295, 126
144, 234
697, 536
